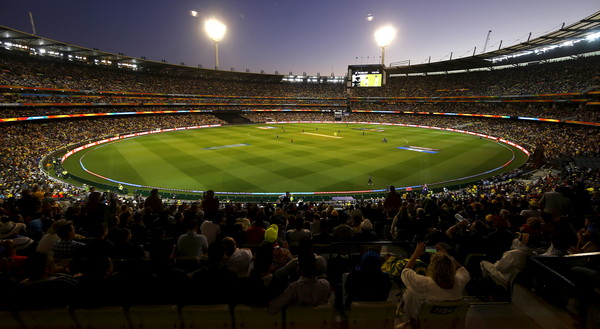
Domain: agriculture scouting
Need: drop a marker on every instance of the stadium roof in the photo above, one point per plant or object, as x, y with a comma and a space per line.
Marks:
45, 45
576, 31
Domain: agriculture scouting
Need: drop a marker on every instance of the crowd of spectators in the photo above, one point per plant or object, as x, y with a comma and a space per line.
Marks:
573, 76
104, 249
33, 99
22, 70
558, 140
91, 249
575, 112
26, 143
563, 112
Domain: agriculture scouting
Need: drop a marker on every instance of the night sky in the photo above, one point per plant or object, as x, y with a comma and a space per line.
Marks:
309, 36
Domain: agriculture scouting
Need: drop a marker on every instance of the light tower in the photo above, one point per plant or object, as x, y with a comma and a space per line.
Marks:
383, 37
216, 31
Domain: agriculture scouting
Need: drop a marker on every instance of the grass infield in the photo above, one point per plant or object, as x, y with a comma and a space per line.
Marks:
296, 157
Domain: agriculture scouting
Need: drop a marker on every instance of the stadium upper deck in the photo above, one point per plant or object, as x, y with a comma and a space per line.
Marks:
572, 40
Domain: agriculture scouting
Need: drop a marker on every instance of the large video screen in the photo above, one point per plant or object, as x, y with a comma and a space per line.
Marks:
365, 76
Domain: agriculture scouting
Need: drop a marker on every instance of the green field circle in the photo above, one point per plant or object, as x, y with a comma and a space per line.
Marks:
298, 157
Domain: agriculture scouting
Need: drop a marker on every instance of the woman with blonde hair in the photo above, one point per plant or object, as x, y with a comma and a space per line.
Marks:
446, 280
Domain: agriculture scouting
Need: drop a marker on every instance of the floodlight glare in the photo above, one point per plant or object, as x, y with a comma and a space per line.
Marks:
383, 37
216, 31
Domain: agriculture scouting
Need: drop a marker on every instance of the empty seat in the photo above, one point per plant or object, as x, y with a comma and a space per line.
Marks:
247, 317
54, 318
443, 314
206, 316
110, 317
372, 315
154, 317
8, 321
316, 317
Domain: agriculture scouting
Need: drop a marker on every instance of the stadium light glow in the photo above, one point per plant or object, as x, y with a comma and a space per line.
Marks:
593, 37
384, 37
546, 48
216, 31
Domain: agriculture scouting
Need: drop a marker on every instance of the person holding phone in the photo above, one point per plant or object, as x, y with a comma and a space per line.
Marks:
445, 280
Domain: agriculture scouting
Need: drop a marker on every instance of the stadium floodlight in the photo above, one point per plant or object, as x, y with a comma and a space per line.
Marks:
216, 31
383, 37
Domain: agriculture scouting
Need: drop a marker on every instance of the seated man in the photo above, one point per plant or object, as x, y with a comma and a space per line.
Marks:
192, 244
67, 247
237, 259
511, 263
368, 283
43, 287
307, 291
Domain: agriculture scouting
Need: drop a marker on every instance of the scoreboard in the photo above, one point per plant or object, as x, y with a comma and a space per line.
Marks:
365, 76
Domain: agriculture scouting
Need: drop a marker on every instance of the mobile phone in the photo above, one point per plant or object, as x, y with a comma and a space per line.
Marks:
430, 249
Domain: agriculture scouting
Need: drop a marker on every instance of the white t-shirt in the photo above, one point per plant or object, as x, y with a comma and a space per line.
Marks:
210, 230
47, 243
239, 261
421, 288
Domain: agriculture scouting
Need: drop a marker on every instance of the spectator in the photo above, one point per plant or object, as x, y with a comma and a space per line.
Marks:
192, 244
367, 282
307, 291
366, 232
392, 201
67, 248
43, 287
212, 227
153, 203
296, 234
124, 248
512, 262
445, 281
255, 234
214, 283
210, 204
237, 259
50, 238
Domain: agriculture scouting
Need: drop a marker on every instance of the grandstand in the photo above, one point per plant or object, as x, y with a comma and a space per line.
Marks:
56, 97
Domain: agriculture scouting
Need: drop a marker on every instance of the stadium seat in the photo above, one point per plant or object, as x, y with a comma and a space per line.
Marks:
54, 318
372, 315
317, 317
8, 321
154, 317
247, 317
126, 265
443, 314
187, 263
206, 316
110, 317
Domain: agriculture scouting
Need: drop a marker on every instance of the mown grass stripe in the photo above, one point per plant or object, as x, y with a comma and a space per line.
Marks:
311, 163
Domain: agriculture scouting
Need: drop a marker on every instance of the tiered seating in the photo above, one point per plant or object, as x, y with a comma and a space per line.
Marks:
196, 317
